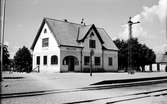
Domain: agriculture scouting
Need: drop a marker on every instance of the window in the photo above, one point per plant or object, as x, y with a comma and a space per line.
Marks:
45, 60
38, 60
86, 60
65, 61
45, 42
92, 44
70, 59
54, 60
45, 31
97, 60
110, 61
92, 34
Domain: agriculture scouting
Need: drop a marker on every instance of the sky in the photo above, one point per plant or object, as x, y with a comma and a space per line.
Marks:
24, 17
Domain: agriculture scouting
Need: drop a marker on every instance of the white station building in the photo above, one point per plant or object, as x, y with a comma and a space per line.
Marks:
62, 46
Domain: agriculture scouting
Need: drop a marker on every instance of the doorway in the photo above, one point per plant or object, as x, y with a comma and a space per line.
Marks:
71, 61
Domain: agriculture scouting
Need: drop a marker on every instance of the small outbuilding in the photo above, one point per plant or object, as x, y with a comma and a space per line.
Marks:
161, 61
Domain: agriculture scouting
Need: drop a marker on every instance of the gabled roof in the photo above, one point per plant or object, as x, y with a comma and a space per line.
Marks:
82, 31
108, 43
38, 33
84, 35
69, 34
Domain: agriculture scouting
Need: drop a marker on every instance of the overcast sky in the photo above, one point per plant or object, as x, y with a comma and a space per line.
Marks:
24, 17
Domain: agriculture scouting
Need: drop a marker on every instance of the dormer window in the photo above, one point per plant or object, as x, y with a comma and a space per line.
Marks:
45, 42
45, 31
92, 43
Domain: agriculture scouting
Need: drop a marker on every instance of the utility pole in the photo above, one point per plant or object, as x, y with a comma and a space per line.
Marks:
91, 58
130, 66
91, 61
2, 31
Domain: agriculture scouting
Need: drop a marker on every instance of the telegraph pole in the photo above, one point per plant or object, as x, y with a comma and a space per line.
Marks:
2, 17
130, 66
91, 61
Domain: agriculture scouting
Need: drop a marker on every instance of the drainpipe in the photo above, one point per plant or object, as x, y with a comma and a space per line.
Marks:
81, 59
102, 59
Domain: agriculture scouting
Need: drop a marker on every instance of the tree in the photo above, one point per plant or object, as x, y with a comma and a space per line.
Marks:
122, 53
23, 60
147, 56
6, 61
141, 54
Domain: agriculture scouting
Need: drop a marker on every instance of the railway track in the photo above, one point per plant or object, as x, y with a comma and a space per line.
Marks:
155, 93
110, 100
121, 98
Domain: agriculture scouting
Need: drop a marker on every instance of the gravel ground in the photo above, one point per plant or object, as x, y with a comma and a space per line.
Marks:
99, 96
149, 100
71, 81
48, 81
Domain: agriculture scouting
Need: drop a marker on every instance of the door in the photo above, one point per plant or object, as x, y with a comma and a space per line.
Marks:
71, 64
71, 61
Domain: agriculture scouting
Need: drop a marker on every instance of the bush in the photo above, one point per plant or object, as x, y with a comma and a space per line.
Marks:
23, 60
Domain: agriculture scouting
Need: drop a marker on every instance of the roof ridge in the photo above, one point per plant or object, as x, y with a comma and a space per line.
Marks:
66, 22
107, 34
100, 28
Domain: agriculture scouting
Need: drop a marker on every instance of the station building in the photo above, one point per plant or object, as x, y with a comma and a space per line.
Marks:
63, 46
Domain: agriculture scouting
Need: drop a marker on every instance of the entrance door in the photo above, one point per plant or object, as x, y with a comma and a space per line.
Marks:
71, 61
71, 64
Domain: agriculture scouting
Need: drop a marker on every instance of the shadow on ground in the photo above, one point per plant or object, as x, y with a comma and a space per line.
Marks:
13, 77
127, 80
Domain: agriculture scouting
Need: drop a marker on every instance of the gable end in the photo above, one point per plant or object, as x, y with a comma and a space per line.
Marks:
39, 31
98, 35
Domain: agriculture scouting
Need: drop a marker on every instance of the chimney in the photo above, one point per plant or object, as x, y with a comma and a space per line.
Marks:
65, 20
82, 21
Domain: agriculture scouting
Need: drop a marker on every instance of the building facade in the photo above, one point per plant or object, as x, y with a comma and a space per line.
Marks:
62, 46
